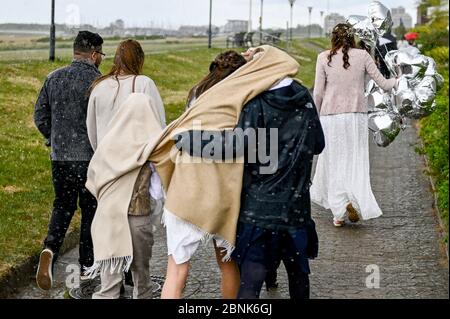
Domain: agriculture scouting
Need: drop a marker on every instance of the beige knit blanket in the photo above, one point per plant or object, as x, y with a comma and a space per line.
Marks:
206, 195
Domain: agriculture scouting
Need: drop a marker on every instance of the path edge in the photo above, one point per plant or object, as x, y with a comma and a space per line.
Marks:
437, 212
21, 274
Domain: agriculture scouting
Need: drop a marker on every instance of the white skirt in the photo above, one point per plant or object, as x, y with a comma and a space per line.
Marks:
183, 239
342, 173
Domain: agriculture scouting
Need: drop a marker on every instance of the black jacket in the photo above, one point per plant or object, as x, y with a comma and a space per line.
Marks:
279, 200
390, 44
60, 111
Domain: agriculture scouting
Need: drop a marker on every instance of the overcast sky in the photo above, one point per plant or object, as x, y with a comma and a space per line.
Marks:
173, 13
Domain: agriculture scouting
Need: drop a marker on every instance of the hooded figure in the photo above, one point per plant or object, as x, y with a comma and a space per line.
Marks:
275, 214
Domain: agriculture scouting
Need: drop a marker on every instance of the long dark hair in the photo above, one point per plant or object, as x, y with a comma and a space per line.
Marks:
129, 60
222, 66
342, 37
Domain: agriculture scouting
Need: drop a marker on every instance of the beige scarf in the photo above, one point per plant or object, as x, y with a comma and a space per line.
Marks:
112, 174
205, 195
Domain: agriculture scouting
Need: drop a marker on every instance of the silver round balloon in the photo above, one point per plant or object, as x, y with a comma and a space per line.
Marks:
413, 67
418, 112
439, 81
411, 50
371, 87
426, 93
354, 19
424, 103
376, 101
404, 96
385, 127
377, 98
432, 71
390, 60
365, 31
404, 101
380, 17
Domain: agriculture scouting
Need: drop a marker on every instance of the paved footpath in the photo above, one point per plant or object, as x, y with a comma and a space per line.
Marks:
404, 244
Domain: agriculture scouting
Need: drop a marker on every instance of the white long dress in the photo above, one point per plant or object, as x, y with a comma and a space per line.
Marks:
342, 174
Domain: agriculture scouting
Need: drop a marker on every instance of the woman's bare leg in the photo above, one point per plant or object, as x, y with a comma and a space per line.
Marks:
176, 278
230, 280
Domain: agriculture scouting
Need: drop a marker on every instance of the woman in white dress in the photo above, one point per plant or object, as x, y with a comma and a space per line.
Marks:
342, 181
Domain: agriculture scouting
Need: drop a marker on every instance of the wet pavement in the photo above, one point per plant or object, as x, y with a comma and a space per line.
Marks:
403, 247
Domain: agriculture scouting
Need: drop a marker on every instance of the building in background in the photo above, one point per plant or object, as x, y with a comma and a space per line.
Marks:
234, 26
196, 31
303, 31
400, 15
424, 12
331, 20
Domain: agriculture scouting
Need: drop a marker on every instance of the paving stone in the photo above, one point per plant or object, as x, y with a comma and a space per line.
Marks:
404, 243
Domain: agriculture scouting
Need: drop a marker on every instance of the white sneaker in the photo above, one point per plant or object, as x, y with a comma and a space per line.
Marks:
44, 275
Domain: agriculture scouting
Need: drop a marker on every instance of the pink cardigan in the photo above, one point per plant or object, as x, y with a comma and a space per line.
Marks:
338, 90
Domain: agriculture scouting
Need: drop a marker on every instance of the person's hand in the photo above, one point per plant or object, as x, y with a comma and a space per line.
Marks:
250, 53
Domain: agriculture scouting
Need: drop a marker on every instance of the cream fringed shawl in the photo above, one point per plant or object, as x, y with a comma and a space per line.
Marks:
113, 170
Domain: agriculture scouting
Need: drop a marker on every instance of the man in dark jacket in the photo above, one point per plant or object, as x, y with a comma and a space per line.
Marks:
60, 115
275, 218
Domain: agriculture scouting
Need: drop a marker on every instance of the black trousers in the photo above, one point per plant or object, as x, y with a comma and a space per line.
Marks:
69, 180
259, 251
272, 275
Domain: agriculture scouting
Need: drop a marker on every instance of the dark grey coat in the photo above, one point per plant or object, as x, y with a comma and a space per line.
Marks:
60, 111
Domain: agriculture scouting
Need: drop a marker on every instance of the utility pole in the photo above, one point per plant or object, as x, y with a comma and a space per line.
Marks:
210, 25
287, 36
291, 2
250, 18
260, 24
52, 33
321, 22
309, 25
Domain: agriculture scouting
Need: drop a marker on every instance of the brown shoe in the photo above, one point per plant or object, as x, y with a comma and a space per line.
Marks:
44, 276
352, 214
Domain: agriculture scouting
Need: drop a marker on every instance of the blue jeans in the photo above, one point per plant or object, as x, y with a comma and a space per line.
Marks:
260, 250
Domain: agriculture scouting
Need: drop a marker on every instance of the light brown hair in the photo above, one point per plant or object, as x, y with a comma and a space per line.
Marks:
222, 66
128, 60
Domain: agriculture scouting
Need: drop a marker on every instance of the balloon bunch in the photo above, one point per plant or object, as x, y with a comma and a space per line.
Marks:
368, 29
418, 79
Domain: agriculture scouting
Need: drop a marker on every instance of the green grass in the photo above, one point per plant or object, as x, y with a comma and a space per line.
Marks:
305, 51
434, 134
26, 191
28, 49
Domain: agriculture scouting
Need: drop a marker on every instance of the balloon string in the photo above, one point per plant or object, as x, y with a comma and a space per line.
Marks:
384, 60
